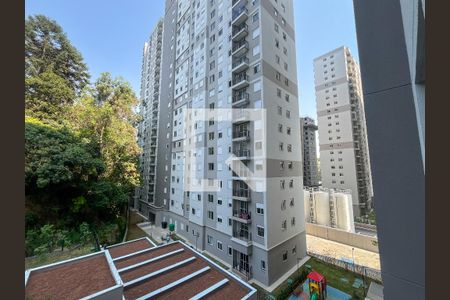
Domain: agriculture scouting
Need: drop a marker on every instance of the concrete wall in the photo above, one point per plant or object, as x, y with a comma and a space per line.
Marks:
394, 123
365, 242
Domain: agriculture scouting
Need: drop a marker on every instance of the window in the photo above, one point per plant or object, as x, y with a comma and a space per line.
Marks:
290, 165
211, 150
278, 76
280, 110
210, 198
277, 43
281, 165
219, 219
257, 86
281, 146
282, 185
292, 202
277, 59
259, 209
291, 183
289, 148
293, 221
278, 92
255, 17
255, 33
210, 239
256, 50
283, 205
294, 250
284, 224
219, 201
230, 251
219, 245
257, 68
193, 211
280, 128
263, 265
211, 215
288, 114
286, 97
260, 231
288, 130
211, 166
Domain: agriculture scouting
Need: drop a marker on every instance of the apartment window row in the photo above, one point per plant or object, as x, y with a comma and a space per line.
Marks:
286, 95
281, 147
280, 112
290, 165
284, 203
283, 181
288, 129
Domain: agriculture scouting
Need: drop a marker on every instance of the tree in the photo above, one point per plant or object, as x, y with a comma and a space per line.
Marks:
46, 96
47, 48
105, 117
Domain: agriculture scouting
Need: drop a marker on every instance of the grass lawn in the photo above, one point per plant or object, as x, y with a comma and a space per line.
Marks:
44, 259
332, 273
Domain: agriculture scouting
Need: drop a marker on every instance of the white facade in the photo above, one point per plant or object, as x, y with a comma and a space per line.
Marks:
344, 153
240, 55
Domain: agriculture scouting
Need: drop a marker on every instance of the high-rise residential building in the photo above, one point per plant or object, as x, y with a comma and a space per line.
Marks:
149, 114
392, 55
344, 154
229, 183
309, 153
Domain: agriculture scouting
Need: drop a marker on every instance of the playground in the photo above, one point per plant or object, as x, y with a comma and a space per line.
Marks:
316, 288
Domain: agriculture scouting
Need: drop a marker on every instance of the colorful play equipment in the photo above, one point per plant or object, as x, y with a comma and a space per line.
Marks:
317, 286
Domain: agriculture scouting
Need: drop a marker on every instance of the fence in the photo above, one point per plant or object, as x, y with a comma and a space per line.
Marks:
362, 270
365, 242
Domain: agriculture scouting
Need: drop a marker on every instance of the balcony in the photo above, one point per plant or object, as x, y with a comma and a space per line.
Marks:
242, 216
240, 116
239, 48
241, 99
241, 195
240, 81
240, 235
237, 2
243, 135
240, 64
242, 154
239, 16
239, 32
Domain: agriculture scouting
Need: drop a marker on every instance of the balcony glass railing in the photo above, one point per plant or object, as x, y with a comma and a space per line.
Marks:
242, 235
239, 78
240, 61
241, 134
238, 12
241, 193
239, 29
239, 45
242, 153
241, 96
242, 214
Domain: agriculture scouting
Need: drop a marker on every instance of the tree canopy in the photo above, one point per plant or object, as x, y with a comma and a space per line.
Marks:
80, 144
47, 48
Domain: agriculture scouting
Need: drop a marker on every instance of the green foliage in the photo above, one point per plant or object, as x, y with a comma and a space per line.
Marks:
80, 146
46, 95
47, 48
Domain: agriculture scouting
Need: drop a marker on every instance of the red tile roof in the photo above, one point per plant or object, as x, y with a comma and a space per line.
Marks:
171, 271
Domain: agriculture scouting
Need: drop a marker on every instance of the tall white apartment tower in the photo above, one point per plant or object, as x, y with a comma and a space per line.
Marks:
344, 153
149, 113
237, 55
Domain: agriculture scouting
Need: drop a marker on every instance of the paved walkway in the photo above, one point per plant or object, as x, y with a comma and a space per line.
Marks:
154, 231
342, 252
